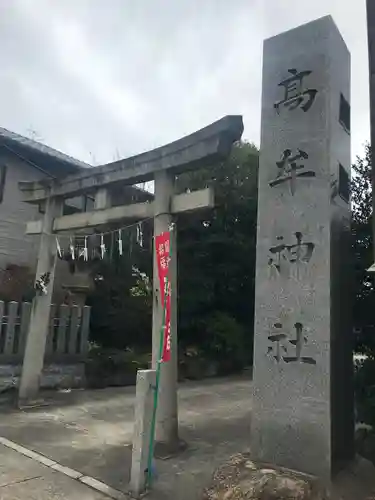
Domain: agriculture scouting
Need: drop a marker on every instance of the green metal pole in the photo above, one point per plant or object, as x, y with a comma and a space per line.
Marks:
156, 388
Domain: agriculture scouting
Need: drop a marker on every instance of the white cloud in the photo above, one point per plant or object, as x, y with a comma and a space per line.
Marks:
96, 77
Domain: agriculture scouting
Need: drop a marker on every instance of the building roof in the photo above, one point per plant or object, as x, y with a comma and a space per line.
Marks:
46, 158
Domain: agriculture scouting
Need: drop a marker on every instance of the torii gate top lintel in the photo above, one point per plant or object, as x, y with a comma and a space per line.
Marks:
207, 145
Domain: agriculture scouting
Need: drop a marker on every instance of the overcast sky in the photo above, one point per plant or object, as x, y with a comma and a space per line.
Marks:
99, 79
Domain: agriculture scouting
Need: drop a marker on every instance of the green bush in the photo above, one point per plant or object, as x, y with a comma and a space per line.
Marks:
224, 342
365, 391
106, 367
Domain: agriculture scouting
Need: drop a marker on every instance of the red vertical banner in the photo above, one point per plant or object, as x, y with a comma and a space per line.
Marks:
162, 248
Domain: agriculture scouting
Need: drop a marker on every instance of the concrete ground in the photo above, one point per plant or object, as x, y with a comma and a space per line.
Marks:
91, 432
24, 478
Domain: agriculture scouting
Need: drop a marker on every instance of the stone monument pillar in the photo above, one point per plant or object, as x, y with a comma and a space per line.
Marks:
303, 391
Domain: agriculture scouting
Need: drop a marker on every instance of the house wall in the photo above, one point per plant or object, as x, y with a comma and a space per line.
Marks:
20, 249
15, 246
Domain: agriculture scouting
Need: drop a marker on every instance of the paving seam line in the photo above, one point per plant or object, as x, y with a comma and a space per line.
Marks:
93, 483
12, 483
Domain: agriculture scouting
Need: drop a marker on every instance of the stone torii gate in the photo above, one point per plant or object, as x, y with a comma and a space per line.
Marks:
202, 148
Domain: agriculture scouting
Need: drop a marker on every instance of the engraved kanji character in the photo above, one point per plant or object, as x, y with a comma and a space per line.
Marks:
288, 168
295, 253
299, 341
278, 338
294, 94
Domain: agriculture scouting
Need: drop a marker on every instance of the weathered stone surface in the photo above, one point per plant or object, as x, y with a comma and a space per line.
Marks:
204, 147
54, 376
242, 479
303, 397
144, 401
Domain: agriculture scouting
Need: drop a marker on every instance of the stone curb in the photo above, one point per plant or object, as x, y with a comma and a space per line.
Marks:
93, 483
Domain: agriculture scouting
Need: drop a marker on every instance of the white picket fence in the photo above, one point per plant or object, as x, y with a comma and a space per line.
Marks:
67, 339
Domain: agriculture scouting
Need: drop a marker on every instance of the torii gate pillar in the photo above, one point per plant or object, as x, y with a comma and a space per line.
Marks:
40, 312
166, 417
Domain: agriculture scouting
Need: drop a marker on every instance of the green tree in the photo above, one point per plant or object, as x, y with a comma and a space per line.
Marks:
361, 193
364, 322
216, 253
216, 268
121, 302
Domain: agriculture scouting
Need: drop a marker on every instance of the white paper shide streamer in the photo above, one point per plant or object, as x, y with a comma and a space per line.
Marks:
102, 246
120, 248
85, 251
71, 249
58, 248
77, 249
140, 234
